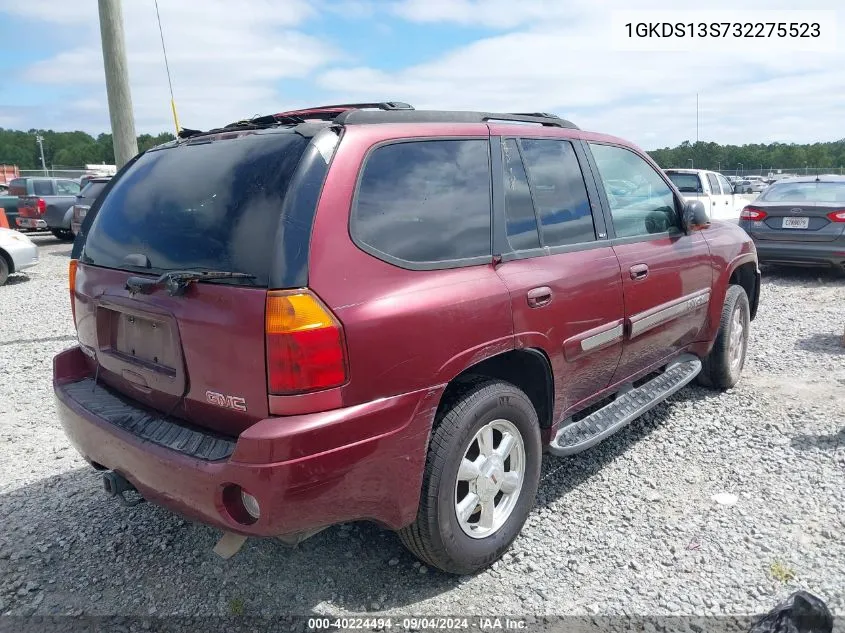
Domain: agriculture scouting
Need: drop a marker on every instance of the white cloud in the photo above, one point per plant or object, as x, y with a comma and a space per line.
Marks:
558, 57
230, 60
225, 59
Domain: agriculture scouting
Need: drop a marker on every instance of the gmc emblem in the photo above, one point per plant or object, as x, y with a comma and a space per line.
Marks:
227, 402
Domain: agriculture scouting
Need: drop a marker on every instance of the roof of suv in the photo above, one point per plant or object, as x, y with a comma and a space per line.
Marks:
303, 121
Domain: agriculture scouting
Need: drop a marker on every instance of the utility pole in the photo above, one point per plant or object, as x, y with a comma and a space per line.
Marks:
117, 82
40, 140
696, 118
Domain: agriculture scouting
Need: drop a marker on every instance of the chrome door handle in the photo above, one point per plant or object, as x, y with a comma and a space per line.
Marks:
539, 297
639, 271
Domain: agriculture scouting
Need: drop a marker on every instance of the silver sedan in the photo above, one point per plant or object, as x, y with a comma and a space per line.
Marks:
17, 252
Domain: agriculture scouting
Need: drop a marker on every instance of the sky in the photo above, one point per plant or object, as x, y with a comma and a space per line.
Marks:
231, 60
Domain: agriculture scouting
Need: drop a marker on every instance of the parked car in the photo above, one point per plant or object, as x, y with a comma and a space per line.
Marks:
17, 253
344, 313
86, 197
9, 203
711, 188
45, 203
742, 186
800, 221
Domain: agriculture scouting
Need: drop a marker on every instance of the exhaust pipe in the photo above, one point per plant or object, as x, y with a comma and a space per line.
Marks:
116, 485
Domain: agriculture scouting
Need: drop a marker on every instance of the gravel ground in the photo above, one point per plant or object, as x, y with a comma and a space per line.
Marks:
627, 528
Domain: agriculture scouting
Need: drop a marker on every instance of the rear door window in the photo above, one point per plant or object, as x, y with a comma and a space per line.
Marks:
42, 188
727, 189
714, 184
559, 192
425, 203
519, 208
205, 204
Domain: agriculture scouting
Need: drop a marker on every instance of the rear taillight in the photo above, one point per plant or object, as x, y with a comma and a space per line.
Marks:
305, 346
71, 278
752, 213
42, 206
836, 216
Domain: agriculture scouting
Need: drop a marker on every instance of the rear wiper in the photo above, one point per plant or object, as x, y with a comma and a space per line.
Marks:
177, 281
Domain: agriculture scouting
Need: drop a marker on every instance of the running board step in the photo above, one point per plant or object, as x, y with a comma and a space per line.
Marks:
586, 433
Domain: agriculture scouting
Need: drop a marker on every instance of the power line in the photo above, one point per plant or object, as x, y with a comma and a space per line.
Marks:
167, 67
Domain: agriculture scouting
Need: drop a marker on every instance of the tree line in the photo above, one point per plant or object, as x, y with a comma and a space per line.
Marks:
754, 157
76, 149
64, 149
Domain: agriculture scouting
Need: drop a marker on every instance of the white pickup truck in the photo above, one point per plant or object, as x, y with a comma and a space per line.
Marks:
713, 189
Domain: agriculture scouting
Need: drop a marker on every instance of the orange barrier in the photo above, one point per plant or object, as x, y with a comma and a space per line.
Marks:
4, 223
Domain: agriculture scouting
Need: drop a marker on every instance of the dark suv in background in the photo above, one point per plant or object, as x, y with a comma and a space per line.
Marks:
91, 188
373, 312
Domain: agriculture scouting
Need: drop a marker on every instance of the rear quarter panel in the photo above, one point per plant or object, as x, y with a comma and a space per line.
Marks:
58, 213
405, 329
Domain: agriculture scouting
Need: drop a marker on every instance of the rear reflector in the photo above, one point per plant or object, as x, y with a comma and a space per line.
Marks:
305, 346
752, 213
836, 216
71, 278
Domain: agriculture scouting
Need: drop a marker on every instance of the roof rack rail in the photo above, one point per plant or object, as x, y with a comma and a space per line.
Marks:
359, 117
544, 115
329, 112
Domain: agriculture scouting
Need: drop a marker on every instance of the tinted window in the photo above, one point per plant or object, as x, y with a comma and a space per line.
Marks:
519, 208
42, 187
805, 192
560, 194
686, 183
714, 184
647, 206
90, 191
425, 201
17, 187
209, 205
67, 187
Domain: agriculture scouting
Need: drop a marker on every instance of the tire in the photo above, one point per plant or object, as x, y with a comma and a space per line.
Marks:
437, 536
721, 369
4, 270
65, 235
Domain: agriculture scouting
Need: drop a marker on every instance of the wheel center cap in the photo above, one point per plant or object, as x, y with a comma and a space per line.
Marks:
489, 482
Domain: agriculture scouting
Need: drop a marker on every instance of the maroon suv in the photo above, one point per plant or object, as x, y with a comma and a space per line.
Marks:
377, 313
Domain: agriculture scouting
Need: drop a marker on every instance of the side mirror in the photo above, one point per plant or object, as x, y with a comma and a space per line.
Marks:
695, 216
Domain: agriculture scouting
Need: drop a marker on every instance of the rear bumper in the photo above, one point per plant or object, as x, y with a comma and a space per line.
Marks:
307, 471
31, 223
801, 253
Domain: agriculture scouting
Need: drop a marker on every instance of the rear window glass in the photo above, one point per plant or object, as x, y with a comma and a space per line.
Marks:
686, 183
17, 187
209, 205
42, 188
90, 191
805, 192
425, 201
